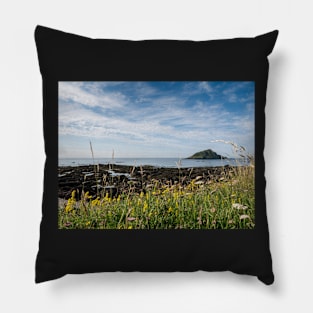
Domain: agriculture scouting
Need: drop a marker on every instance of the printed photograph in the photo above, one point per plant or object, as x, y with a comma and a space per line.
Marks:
138, 155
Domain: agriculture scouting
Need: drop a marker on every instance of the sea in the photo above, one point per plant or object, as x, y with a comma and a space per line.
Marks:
156, 162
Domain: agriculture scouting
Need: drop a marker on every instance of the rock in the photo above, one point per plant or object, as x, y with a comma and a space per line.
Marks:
206, 154
123, 178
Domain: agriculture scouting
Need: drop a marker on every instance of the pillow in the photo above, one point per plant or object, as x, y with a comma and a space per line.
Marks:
154, 155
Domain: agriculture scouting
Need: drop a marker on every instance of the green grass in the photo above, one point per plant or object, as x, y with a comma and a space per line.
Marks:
226, 204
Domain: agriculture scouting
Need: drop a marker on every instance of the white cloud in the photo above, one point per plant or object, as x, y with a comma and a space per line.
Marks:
193, 88
97, 98
142, 89
250, 107
205, 86
163, 122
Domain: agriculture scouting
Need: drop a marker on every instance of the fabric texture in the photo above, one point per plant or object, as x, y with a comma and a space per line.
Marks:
68, 57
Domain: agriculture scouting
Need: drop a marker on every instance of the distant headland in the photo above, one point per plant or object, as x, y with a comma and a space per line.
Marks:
206, 154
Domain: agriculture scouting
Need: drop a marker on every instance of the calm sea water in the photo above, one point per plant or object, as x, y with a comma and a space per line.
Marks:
157, 162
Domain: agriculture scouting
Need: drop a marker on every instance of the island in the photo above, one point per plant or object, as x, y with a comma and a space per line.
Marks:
206, 154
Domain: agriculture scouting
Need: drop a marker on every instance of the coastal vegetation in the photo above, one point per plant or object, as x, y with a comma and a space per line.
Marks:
220, 198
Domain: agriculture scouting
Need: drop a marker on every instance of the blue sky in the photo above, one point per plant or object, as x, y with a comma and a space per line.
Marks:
154, 119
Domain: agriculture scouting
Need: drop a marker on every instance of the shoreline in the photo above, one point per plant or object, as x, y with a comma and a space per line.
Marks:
116, 178
157, 162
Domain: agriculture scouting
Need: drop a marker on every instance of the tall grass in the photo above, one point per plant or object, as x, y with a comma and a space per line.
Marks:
225, 203
96, 168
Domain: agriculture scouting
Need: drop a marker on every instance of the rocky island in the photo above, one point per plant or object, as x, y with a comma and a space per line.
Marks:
206, 154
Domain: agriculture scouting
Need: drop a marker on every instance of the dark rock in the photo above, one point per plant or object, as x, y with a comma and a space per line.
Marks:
124, 178
206, 154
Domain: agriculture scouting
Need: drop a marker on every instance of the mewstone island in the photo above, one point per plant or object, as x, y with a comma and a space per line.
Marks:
130, 155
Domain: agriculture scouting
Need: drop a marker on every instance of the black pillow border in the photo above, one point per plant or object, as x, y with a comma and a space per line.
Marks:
68, 57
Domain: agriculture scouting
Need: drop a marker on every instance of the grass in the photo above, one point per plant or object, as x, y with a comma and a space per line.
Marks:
228, 203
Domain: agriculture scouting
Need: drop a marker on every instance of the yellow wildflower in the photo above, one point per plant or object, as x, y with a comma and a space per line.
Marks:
70, 202
69, 206
87, 196
95, 202
175, 195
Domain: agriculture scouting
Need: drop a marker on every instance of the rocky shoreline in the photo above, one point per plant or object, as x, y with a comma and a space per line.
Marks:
116, 179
